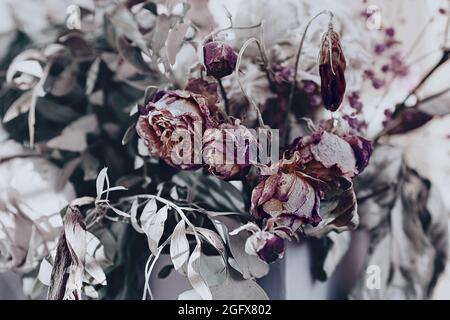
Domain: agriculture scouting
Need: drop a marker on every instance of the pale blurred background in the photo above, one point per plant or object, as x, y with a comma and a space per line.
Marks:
427, 149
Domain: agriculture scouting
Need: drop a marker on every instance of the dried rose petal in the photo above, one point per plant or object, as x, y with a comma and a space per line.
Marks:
267, 246
332, 66
219, 59
335, 151
324, 155
272, 250
205, 88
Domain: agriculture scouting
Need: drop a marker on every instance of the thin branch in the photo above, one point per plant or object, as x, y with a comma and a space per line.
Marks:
444, 58
238, 64
297, 62
434, 96
230, 27
224, 97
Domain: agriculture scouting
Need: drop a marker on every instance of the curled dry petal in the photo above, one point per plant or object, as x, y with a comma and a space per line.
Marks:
339, 212
332, 66
205, 88
362, 149
267, 246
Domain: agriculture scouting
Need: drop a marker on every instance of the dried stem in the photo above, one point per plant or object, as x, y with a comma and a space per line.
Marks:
297, 62
231, 27
224, 97
444, 58
24, 155
402, 106
238, 64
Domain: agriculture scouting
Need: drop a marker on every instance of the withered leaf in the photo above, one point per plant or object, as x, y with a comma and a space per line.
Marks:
409, 234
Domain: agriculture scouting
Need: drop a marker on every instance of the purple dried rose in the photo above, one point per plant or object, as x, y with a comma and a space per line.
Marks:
287, 198
228, 150
332, 66
313, 169
324, 155
267, 246
219, 59
170, 123
327, 155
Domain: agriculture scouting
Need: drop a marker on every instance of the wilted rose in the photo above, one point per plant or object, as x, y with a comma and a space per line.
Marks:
327, 155
266, 245
169, 124
30, 222
332, 66
219, 59
228, 150
312, 167
287, 198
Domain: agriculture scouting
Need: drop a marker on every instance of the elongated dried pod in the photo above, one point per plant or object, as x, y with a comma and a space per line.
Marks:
332, 66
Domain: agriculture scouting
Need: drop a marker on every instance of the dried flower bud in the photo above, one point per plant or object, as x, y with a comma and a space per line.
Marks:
219, 59
332, 68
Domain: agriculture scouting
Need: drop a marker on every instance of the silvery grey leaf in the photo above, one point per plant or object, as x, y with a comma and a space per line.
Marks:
92, 75
132, 54
214, 239
328, 253
149, 93
133, 216
153, 226
19, 106
159, 33
179, 248
250, 266
213, 269
124, 24
194, 276
174, 41
234, 288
